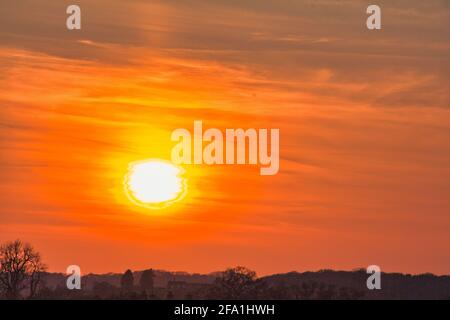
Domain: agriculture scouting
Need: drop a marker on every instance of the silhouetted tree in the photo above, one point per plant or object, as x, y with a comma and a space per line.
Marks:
146, 281
20, 269
234, 283
127, 281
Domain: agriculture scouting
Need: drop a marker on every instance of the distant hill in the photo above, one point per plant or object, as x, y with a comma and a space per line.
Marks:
393, 285
289, 285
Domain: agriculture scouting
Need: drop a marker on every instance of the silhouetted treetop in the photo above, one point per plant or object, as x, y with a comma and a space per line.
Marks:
21, 269
146, 282
127, 281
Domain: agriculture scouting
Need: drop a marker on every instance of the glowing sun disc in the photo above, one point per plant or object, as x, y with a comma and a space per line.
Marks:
154, 183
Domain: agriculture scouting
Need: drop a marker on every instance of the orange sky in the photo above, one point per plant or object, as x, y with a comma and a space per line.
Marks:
364, 133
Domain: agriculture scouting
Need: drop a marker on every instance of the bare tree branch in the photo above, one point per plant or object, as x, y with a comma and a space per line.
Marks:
20, 269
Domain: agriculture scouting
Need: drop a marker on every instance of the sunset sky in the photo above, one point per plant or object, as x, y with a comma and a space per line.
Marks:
364, 119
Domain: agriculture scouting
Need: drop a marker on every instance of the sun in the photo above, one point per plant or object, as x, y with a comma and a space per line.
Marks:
154, 183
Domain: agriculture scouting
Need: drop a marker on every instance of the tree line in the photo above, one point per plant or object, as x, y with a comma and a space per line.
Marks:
22, 276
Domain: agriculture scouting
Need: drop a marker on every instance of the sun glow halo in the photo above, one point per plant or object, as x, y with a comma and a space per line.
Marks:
154, 184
